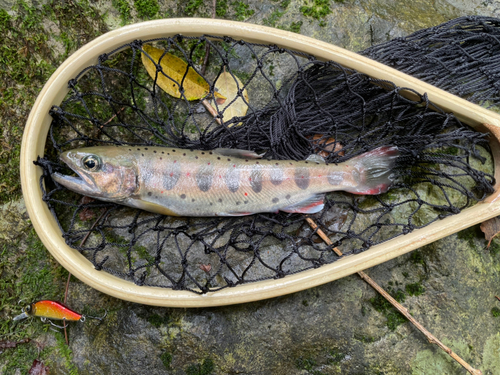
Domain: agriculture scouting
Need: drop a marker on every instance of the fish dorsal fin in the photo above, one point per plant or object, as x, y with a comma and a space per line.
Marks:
316, 159
236, 153
311, 205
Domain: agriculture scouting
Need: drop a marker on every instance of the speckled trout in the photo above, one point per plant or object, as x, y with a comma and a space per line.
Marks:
221, 182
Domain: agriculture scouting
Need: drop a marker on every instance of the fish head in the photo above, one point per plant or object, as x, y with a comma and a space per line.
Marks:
105, 173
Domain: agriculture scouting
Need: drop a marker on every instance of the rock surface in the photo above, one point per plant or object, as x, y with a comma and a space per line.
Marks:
342, 327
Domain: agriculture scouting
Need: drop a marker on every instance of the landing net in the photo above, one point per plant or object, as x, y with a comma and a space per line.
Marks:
297, 106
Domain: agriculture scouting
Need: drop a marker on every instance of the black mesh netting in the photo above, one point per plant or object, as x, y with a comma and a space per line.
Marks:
297, 106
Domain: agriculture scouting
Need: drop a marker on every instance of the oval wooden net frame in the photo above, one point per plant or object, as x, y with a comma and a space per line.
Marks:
56, 88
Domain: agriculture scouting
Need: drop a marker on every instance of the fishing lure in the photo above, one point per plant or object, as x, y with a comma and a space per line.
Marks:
53, 310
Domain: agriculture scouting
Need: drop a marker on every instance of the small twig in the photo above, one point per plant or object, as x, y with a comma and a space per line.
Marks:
403, 310
498, 298
69, 275
212, 110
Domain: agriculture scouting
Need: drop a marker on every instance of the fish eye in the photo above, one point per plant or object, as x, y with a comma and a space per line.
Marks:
27, 308
91, 163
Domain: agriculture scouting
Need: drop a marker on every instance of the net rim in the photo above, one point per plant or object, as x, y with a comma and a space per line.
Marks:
56, 88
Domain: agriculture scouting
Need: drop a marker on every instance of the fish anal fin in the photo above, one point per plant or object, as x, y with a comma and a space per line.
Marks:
237, 153
311, 205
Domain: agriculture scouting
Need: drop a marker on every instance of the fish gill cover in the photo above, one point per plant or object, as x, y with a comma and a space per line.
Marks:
297, 106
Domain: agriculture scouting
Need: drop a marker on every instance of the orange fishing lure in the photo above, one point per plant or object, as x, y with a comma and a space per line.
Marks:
50, 310
53, 310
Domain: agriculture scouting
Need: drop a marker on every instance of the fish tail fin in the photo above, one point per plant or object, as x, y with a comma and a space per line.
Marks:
373, 170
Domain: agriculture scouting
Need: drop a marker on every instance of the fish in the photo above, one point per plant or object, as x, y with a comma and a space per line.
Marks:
53, 310
220, 182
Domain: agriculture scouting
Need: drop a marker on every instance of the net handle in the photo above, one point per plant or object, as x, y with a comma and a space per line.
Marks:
55, 90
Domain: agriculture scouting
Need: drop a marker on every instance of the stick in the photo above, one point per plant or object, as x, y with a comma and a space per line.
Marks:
403, 310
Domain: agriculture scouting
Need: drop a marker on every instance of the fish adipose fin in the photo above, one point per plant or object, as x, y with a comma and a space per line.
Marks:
236, 153
374, 170
311, 205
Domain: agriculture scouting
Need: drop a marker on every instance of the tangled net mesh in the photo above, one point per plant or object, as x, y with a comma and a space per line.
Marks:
297, 106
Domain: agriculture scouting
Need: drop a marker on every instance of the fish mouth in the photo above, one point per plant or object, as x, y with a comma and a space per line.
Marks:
83, 183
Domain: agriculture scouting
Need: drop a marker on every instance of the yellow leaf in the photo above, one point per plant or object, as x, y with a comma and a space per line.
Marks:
228, 85
174, 73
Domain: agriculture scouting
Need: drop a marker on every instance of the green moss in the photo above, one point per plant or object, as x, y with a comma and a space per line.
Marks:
146, 8
494, 247
495, 312
415, 289
295, 27
318, 9
470, 235
123, 7
273, 18
242, 10
192, 7
393, 316
305, 363
221, 8
157, 320
166, 359
66, 353
205, 368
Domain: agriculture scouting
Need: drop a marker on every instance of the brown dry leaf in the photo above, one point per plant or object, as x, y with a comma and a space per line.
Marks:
326, 146
228, 85
491, 228
38, 368
195, 87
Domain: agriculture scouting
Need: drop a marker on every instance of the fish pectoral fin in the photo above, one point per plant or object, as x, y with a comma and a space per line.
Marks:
313, 204
237, 153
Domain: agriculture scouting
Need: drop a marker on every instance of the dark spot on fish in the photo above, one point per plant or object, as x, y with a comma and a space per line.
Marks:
228, 159
184, 154
163, 152
211, 204
204, 177
138, 149
130, 149
171, 175
154, 151
218, 157
161, 158
220, 200
183, 196
237, 203
146, 149
275, 200
246, 159
307, 162
301, 177
196, 157
210, 152
277, 175
192, 200
168, 153
287, 196
233, 180
256, 179
150, 194
203, 153
245, 202
173, 150
142, 154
